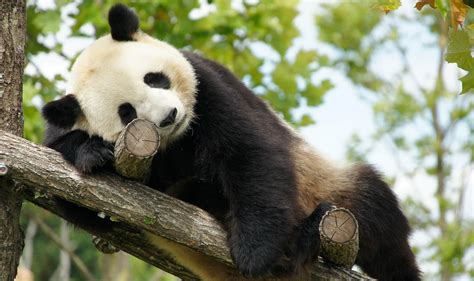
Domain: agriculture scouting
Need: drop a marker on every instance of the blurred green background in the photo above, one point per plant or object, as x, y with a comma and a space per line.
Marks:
357, 83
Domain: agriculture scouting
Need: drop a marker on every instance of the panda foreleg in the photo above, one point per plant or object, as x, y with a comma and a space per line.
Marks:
86, 153
65, 142
257, 238
94, 154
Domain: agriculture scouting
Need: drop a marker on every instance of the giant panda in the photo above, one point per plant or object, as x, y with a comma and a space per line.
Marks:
233, 155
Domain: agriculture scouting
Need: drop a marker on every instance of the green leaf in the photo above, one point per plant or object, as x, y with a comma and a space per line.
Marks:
48, 22
459, 50
467, 82
470, 31
306, 120
283, 78
443, 7
314, 94
304, 58
386, 5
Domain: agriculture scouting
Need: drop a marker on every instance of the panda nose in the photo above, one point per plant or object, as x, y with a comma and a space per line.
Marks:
169, 119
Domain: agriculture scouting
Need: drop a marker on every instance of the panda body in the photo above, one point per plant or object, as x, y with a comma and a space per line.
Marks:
224, 150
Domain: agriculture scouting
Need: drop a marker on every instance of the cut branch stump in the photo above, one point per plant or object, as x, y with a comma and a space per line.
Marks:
339, 234
135, 147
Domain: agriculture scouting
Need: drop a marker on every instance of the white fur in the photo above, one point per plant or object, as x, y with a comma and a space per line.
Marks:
109, 73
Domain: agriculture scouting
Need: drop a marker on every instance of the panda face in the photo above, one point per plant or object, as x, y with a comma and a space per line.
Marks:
117, 81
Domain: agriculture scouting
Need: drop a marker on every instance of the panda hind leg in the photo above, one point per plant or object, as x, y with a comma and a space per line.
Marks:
384, 252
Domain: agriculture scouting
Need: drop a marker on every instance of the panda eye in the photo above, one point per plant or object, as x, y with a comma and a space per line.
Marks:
157, 80
127, 113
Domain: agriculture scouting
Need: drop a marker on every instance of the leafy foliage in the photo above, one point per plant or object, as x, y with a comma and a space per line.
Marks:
425, 123
460, 42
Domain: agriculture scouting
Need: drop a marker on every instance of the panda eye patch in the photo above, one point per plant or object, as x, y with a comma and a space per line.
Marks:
127, 113
157, 80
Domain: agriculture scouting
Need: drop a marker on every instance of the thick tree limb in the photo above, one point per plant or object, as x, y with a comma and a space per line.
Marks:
12, 49
45, 174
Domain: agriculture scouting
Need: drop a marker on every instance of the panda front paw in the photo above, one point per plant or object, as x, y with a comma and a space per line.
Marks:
93, 154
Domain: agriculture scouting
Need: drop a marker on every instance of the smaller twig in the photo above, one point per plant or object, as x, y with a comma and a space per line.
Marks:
75, 258
30, 233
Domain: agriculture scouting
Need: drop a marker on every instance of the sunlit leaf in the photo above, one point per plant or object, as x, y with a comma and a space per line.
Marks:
49, 21
281, 76
386, 5
459, 50
443, 7
306, 120
314, 94
467, 82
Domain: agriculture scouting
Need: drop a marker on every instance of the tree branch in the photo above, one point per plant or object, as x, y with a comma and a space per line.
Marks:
45, 175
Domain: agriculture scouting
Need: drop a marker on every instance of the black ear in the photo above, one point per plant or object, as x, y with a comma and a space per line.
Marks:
123, 22
62, 113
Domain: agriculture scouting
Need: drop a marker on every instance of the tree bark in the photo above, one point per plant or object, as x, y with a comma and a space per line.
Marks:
12, 47
46, 174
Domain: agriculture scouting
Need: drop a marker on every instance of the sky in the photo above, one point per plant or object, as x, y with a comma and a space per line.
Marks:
343, 113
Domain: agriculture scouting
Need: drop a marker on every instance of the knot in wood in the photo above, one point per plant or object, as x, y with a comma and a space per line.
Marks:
3, 169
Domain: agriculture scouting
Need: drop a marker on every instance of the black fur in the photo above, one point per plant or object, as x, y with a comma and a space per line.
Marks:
229, 149
123, 22
67, 143
157, 80
235, 162
169, 119
77, 147
303, 246
383, 229
63, 112
127, 113
94, 154
307, 240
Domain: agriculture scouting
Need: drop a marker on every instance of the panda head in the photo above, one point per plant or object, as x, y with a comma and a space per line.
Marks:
126, 75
